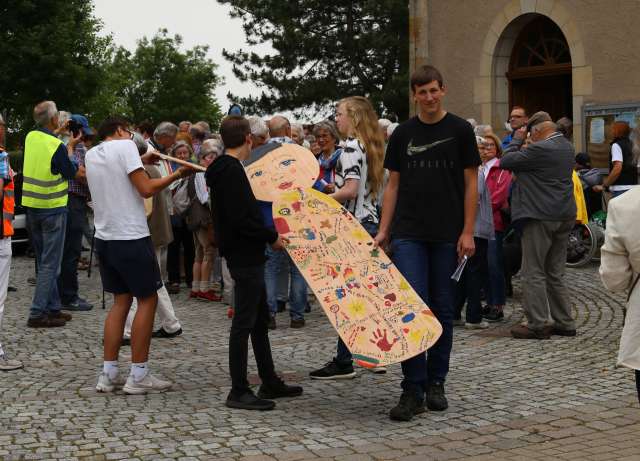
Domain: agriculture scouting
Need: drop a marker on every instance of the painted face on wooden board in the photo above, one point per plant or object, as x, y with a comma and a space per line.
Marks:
285, 168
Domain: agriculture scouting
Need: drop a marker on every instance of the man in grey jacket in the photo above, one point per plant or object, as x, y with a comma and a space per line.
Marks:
543, 205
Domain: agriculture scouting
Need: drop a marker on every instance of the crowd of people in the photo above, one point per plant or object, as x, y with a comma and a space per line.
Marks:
438, 192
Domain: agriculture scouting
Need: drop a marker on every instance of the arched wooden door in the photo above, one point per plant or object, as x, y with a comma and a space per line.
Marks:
540, 70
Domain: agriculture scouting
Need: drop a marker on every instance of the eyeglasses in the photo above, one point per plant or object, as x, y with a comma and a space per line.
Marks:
130, 133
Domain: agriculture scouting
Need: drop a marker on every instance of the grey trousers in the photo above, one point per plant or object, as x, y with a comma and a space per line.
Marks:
544, 254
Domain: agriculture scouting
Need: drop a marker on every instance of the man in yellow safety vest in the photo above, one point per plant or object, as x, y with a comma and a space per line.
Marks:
46, 172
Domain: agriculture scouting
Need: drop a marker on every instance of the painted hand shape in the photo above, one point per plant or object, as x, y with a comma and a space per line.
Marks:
380, 340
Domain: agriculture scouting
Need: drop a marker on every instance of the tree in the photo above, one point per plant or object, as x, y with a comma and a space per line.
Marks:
49, 50
324, 50
159, 82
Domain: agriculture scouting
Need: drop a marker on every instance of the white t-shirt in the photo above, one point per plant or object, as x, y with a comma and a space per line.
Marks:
616, 152
118, 207
352, 164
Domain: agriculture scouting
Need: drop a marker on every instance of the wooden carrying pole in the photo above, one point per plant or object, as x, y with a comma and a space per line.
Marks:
195, 166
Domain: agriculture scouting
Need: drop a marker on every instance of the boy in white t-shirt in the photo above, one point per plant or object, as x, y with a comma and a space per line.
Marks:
128, 265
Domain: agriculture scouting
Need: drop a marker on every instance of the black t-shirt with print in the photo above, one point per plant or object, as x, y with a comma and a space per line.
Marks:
431, 159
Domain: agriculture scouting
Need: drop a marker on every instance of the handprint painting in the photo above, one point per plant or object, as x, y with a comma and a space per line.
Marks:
377, 314
276, 168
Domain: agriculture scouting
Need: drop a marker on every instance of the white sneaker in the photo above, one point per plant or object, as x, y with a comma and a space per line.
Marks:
378, 370
8, 365
147, 384
476, 326
108, 385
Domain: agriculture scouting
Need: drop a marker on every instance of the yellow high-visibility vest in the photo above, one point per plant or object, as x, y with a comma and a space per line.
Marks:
41, 188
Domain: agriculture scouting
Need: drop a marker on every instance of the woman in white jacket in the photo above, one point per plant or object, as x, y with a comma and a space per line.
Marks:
619, 269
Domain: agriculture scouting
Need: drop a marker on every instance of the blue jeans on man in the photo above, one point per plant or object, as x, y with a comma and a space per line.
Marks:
297, 292
428, 268
47, 230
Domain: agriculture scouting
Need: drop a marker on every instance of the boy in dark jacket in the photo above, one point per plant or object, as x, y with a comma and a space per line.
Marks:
241, 238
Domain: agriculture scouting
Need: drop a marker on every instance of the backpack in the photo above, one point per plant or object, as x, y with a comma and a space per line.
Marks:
181, 199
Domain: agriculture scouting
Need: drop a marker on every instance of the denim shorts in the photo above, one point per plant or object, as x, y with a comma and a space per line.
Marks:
129, 266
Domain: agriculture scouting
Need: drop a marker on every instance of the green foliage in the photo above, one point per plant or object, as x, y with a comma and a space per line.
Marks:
324, 50
48, 51
159, 82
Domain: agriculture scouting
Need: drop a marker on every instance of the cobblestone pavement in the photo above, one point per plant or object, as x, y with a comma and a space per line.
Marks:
512, 400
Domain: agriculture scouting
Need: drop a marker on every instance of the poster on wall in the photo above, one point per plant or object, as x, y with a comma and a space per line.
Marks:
598, 120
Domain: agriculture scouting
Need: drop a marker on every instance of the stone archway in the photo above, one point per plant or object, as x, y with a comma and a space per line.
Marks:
491, 87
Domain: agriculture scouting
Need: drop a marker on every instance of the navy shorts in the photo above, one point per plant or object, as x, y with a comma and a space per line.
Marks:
128, 266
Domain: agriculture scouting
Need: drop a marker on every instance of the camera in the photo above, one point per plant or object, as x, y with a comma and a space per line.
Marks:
74, 127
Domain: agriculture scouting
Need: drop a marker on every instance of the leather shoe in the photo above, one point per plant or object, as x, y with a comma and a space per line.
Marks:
562, 332
60, 315
45, 322
524, 332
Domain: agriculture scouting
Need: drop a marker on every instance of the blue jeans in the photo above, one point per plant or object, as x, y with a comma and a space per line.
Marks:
428, 268
298, 290
76, 218
496, 295
47, 232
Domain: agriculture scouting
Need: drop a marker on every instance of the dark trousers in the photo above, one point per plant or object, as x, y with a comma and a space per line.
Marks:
182, 237
470, 285
250, 318
496, 284
638, 383
68, 279
428, 268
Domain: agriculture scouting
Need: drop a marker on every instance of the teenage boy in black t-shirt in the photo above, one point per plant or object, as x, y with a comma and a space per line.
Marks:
428, 213
241, 237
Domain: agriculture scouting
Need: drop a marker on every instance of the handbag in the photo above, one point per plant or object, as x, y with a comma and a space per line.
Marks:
197, 215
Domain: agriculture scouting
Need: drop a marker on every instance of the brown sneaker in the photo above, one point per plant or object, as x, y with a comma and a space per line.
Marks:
60, 315
524, 332
45, 322
296, 323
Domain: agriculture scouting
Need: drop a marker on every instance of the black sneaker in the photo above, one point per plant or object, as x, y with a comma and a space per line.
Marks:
162, 333
333, 370
436, 399
272, 323
494, 315
282, 306
248, 401
277, 388
408, 406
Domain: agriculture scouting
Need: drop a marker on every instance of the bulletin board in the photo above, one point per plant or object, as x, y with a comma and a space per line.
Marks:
598, 120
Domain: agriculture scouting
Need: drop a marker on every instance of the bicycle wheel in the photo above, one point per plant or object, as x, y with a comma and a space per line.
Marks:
581, 245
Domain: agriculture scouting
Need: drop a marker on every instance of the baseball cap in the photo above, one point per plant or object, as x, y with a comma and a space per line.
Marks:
84, 123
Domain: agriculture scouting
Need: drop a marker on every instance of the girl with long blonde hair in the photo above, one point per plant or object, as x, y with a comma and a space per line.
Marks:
359, 171
358, 180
